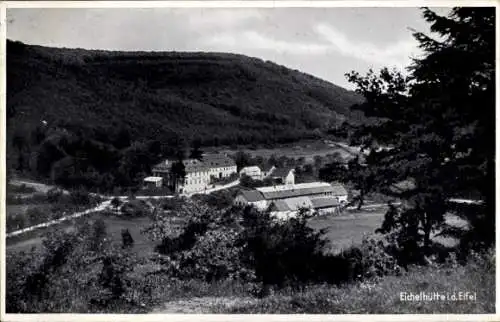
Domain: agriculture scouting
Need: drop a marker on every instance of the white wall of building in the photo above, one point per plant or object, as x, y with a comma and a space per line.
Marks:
253, 172
342, 198
196, 181
290, 178
260, 205
224, 172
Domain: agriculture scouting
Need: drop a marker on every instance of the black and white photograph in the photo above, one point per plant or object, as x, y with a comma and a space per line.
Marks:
245, 157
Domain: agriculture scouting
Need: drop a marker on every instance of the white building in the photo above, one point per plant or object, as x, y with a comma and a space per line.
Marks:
285, 200
155, 182
253, 172
283, 175
199, 174
220, 165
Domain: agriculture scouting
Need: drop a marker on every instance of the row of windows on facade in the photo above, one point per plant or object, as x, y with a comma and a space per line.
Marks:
195, 181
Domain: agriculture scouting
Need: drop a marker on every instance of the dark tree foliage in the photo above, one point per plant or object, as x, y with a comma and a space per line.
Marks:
196, 152
98, 235
438, 123
127, 239
178, 171
334, 171
102, 119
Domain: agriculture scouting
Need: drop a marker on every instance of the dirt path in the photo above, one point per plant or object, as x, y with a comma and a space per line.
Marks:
202, 305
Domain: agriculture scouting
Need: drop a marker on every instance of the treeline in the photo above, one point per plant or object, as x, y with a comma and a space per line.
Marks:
84, 159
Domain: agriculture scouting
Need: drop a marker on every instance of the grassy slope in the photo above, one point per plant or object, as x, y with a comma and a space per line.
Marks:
384, 297
165, 94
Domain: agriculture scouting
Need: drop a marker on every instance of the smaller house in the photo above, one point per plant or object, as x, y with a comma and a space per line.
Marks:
284, 176
153, 182
253, 172
251, 197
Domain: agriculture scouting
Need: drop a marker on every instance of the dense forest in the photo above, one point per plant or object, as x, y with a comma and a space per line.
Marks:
99, 118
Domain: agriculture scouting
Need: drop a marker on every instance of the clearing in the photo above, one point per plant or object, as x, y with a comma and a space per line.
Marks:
305, 149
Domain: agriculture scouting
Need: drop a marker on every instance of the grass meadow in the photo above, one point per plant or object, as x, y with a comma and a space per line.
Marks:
384, 296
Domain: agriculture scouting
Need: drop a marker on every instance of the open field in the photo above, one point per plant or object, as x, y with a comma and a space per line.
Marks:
114, 225
305, 149
342, 231
348, 229
21, 210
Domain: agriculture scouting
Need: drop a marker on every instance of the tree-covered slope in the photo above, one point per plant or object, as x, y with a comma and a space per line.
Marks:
159, 94
115, 98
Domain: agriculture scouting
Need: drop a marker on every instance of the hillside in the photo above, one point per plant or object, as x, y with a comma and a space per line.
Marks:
115, 98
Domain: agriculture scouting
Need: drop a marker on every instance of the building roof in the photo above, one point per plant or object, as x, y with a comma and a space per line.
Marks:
268, 167
324, 202
291, 204
296, 190
281, 172
252, 195
153, 179
193, 165
338, 189
216, 160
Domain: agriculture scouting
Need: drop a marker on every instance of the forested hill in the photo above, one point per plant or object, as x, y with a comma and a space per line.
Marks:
114, 98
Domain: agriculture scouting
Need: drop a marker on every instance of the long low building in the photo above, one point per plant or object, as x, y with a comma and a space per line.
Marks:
285, 200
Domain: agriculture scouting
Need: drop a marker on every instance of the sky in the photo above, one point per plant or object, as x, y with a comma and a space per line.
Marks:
324, 42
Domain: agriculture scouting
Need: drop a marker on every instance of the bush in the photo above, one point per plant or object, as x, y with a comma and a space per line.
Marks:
13, 223
174, 203
35, 216
135, 208
54, 195
70, 275
80, 197
214, 256
375, 261
218, 199
281, 252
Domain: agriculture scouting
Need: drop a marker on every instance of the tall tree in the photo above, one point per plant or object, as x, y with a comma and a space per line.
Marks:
439, 121
196, 152
178, 173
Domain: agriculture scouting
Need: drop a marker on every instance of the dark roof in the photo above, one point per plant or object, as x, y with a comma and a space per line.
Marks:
281, 194
218, 160
192, 165
281, 172
252, 195
319, 203
279, 205
162, 166
291, 204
